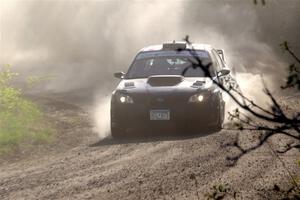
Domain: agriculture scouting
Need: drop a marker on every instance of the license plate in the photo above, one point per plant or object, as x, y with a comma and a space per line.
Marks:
159, 115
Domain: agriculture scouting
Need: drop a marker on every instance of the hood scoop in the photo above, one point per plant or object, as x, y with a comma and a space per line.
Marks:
198, 84
164, 80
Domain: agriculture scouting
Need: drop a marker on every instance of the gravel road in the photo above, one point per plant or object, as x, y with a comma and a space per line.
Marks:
79, 166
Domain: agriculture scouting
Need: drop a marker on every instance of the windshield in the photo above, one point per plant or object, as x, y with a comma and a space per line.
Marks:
167, 63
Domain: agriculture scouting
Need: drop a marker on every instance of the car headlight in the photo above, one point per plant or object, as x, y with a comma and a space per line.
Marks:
196, 98
125, 99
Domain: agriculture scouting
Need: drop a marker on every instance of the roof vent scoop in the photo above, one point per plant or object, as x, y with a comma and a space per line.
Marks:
164, 80
175, 46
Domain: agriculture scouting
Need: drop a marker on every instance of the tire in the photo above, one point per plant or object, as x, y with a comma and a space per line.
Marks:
117, 131
216, 128
116, 128
219, 125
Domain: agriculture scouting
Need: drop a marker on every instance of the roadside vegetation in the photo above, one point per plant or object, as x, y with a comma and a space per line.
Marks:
22, 123
276, 122
262, 122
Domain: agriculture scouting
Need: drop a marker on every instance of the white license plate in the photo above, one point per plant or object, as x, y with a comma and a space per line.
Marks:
159, 115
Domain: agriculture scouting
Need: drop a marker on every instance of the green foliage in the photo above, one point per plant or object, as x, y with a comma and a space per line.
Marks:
21, 121
293, 78
33, 80
284, 46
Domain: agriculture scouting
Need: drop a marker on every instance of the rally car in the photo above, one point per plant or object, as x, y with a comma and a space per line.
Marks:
164, 91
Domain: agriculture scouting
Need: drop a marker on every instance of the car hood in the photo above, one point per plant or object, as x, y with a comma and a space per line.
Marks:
165, 85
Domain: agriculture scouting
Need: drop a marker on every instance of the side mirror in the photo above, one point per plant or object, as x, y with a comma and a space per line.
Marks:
119, 75
223, 72
221, 53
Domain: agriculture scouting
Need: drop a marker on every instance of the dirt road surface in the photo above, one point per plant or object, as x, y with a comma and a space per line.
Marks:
77, 165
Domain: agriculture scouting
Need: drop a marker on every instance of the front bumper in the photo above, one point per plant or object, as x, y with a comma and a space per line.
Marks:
184, 116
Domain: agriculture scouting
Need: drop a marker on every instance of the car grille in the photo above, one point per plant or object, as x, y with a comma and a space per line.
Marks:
167, 101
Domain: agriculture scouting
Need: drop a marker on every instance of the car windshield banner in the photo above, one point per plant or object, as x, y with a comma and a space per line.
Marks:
184, 53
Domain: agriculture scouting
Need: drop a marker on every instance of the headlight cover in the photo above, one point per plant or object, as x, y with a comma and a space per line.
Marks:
196, 98
124, 99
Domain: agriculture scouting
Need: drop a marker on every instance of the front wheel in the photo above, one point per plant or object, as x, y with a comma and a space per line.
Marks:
216, 128
117, 131
219, 125
220, 119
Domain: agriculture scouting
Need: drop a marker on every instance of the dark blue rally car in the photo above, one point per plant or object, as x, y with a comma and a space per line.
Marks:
161, 92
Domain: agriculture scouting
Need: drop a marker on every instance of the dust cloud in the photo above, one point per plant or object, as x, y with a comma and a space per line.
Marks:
102, 117
251, 85
81, 43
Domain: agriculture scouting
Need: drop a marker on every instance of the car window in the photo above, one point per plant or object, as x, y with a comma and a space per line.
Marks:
219, 61
167, 64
